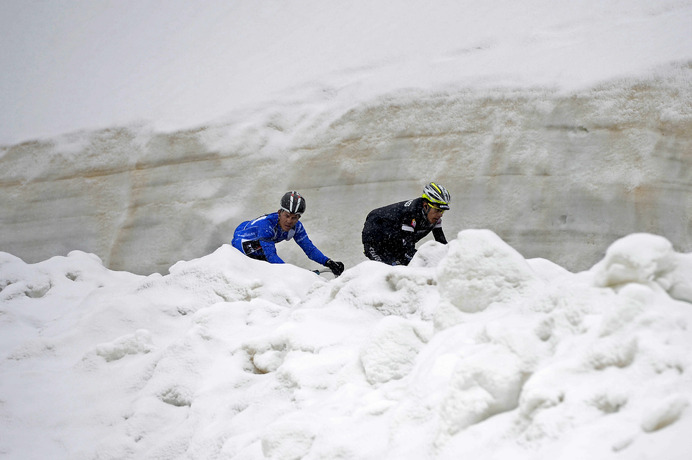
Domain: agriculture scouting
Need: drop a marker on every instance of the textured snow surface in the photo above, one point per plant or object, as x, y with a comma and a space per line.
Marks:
470, 351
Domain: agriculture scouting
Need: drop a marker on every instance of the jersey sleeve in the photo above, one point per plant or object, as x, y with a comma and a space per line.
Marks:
439, 235
266, 236
270, 252
408, 232
308, 247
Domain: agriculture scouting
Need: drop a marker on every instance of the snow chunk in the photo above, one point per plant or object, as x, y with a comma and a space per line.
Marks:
179, 396
637, 258
288, 440
18, 279
664, 414
682, 278
481, 269
392, 351
430, 254
612, 351
132, 344
484, 383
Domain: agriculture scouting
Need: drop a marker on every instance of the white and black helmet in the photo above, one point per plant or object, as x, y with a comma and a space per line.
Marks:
292, 202
437, 195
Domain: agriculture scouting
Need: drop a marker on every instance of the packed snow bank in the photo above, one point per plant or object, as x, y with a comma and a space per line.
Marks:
140, 131
558, 176
470, 351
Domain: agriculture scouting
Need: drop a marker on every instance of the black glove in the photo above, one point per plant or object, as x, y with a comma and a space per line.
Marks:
336, 267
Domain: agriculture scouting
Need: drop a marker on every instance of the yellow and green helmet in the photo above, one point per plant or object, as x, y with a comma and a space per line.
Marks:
437, 195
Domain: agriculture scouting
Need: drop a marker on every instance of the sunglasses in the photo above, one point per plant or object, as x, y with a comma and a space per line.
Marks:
441, 211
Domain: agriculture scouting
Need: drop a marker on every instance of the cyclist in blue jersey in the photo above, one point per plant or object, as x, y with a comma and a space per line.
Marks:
256, 238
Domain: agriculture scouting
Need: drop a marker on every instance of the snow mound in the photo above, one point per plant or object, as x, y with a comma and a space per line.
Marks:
472, 351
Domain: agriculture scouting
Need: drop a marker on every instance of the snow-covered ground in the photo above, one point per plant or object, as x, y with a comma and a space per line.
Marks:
470, 352
146, 130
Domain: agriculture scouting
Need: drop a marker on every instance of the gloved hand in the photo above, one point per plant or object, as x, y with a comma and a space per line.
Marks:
336, 267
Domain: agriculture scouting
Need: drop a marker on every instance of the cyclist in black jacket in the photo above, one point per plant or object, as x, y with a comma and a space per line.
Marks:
390, 233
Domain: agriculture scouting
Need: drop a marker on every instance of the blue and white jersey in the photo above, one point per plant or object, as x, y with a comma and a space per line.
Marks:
267, 231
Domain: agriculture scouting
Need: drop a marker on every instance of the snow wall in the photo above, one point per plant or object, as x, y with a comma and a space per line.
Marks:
558, 175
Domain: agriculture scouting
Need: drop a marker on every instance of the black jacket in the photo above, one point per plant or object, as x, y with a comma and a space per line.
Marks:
393, 231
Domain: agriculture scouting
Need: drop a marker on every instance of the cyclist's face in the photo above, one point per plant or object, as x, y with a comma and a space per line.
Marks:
434, 214
287, 220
